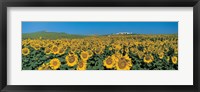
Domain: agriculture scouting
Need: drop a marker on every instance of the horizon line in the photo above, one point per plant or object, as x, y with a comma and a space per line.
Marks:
97, 34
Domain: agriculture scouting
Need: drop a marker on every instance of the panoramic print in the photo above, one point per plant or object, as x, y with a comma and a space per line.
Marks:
99, 46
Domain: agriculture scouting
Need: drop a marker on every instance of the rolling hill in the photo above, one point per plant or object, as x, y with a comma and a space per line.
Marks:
50, 35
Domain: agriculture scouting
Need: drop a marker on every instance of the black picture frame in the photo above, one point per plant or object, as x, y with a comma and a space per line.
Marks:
99, 3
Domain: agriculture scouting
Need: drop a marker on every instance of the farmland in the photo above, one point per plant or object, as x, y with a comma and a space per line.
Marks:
61, 51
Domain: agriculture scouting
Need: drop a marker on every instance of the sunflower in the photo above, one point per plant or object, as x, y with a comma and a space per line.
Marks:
140, 54
24, 43
50, 45
55, 63
78, 50
123, 63
61, 51
150, 49
148, 58
126, 50
73, 49
47, 50
174, 60
84, 55
117, 47
84, 48
36, 46
90, 53
25, 51
55, 50
109, 62
161, 55
82, 65
98, 50
71, 59
145, 50
117, 55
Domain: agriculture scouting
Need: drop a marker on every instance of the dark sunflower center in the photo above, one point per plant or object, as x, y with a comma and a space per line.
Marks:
122, 63
71, 59
25, 51
84, 55
55, 49
47, 50
98, 50
73, 49
109, 61
147, 57
37, 46
55, 63
174, 59
80, 64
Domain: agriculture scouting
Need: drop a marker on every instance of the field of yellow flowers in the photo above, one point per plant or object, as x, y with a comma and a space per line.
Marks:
112, 52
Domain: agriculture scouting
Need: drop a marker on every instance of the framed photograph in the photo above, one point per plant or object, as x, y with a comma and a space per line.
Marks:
90, 45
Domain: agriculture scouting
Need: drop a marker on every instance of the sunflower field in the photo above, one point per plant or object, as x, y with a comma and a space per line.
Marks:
111, 52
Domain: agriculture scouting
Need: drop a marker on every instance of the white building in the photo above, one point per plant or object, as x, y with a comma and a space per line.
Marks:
124, 33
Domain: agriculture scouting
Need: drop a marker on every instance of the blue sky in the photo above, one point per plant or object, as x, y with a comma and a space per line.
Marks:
88, 28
